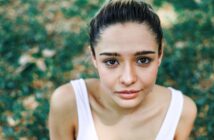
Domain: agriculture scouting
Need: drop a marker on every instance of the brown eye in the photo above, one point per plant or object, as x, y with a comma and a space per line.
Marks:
143, 60
111, 62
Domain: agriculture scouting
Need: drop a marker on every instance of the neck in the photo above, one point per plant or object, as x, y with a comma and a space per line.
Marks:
116, 110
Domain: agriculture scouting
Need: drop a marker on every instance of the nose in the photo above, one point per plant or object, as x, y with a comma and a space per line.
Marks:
128, 75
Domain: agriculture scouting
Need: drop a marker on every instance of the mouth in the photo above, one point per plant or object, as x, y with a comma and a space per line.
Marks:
128, 94
127, 91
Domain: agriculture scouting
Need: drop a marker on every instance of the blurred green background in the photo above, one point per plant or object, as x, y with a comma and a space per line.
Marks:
43, 44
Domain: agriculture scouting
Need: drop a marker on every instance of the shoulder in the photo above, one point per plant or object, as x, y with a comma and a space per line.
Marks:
63, 105
189, 109
189, 112
187, 119
63, 98
62, 119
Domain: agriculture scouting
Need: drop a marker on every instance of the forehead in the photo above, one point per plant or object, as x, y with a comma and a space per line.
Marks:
127, 37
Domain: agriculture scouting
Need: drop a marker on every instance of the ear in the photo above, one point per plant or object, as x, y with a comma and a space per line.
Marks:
93, 57
160, 57
94, 60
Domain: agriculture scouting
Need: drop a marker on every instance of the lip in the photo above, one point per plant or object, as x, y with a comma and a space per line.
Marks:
127, 91
128, 94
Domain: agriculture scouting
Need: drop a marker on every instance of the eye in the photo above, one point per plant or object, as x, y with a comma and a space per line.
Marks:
144, 60
111, 62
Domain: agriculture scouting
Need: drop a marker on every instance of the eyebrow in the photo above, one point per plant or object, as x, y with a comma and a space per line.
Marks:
110, 54
136, 54
144, 53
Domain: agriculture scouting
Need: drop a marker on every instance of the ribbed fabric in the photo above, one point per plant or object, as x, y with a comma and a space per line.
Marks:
86, 126
172, 118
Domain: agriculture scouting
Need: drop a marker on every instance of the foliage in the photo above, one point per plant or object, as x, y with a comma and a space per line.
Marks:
42, 45
38, 40
188, 63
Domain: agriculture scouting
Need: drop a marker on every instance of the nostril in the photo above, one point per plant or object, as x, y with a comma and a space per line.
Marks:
128, 75
127, 83
128, 79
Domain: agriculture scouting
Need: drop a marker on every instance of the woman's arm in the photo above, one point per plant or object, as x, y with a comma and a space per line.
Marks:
187, 120
61, 116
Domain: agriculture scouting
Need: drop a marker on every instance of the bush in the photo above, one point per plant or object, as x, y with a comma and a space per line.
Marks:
41, 43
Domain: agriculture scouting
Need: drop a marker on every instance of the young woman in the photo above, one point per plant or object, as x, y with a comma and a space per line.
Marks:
125, 103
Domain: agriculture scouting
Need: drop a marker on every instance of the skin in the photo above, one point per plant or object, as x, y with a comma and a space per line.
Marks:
126, 60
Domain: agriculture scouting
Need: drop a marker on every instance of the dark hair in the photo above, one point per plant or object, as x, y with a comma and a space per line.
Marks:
121, 11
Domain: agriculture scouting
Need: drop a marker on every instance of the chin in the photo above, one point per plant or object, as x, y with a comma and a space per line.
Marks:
129, 104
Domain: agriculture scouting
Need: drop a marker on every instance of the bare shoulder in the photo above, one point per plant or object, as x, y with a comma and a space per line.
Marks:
62, 115
63, 98
189, 109
187, 119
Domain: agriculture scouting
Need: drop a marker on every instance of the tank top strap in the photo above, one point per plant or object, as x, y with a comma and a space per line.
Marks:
86, 128
172, 118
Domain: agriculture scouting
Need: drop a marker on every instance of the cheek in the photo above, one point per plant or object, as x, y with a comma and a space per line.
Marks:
106, 77
150, 75
154, 70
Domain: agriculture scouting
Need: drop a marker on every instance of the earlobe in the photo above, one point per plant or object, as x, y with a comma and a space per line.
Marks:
94, 60
160, 57
93, 57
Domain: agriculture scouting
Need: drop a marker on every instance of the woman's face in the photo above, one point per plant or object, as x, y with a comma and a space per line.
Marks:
127, 61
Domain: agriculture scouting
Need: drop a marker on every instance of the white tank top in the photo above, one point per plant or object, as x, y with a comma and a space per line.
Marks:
86, 125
